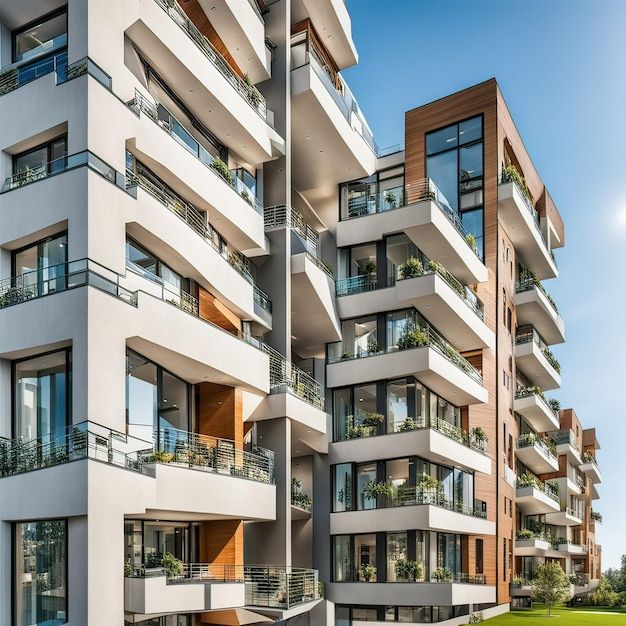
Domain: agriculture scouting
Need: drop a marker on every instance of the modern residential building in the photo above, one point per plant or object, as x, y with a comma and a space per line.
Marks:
253, 367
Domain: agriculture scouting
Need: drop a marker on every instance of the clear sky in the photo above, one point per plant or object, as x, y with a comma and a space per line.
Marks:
561, 65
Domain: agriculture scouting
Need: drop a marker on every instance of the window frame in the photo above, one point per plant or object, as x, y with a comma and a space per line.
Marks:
39, 20
48, 146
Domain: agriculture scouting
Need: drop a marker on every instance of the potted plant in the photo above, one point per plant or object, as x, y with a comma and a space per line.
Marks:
252, 93
510, 174
411, 268
412, 336
373, 347
471, 241
441, 574
428, 490
222, 169
554, 404
479, 436
409, 570
373, 489
525, 534
408, 425
368, 573
369, 267
129, 570
173, 567
247, 197
391, 199
152, 564
527, 480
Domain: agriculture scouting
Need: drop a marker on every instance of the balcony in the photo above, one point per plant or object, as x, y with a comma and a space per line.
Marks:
435, 293
535, 359
537, 454
565, 517
533, 406
433, 439
566, 444
422, 212
235, 211
430, 358
459, 589
535, 307
521, 222
534, 497
198, 587
333, 141
536, 545
276, 588
224, 101
568, 547
590, 468
213, 263
414, 507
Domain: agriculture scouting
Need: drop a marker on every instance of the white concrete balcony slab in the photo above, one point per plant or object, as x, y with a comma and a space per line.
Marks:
399, 518
572, 549
445, 303
536, 411
239, 222
565, 517
591, 470
426, 363
314, 314
520, 221
566, 444
533, 307
326, 147
156, 595
536, 455
531, 547
594, 492
533, 500
428, 443
241, 27
411, 594
431, 226
531, 360
202, 78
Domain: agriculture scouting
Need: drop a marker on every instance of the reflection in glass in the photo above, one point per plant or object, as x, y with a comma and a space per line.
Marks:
396, 551
141, 396
44, 37
365, 474
342, 557
365, 557
343, 488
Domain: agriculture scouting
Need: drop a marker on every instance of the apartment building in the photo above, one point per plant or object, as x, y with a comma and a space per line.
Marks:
253, 368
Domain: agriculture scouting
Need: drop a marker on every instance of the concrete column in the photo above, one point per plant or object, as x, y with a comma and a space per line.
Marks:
5, 399
5, 572
321, 517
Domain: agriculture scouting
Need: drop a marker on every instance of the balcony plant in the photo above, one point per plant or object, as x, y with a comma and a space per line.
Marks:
222, 169
391, 199
299, 499
554, 404
409, 570
527, 439
442, 574
411, 268
173, 567
370, 267
479, 436
525, 534
373, 489
408, 425
551, 358
553, 488
413, 336
373, 347
252, 94
247, 197
429, 490
471, 241
596, 517
153, 561
587, 457
532, 390
510, 174
129, 570
527, 480
368, 573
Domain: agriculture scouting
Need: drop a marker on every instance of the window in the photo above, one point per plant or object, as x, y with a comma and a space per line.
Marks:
151, 267
44, 36
359, 338
342, 500
383, 191
43, 265
343, 558
40, 573
365, 474
449, 552
480, 546
396, 551
365, 557
454, 162
48, 158
42, 395
399, 249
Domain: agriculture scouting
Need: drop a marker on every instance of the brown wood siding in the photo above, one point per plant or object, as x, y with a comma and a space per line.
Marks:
219, 412
212, 310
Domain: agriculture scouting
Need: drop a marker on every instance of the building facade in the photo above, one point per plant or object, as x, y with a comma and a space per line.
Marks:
253, 367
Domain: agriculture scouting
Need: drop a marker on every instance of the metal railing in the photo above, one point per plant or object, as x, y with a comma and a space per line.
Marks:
167, 122
192, 573
251, 95
64, 164
356, 284
528, 334
78, 441
535, 483
419, 191
564, 437
530, 283
222, 456
62, 277
285, 377
527, 392
530, 440
277, 586
432, 339
281, 216
417, 496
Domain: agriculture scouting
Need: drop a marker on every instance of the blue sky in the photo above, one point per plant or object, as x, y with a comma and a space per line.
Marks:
561, 65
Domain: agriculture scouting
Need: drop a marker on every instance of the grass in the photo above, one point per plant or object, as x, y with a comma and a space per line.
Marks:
561, 616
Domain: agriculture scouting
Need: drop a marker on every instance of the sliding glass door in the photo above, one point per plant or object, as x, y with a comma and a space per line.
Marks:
41, 268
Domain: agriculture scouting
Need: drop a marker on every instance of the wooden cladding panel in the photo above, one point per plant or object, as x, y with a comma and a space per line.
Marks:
221, 541
220, 411
212, 310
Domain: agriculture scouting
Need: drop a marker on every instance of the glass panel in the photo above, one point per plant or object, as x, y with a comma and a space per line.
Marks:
441, 140
343, 488
141, 396
40, 573
33, 162
42, 38
365, 557
27, 262
172, 279
471, 163
398, 473
442, 170
449, 552
41, 396
473, 223
342, 409
53, 256
343, 568
364, 614
361, 198
446, 476
141, 258
363, 260
132, 544
174, 409
470, 130
360, 336
365, 474
414, 614
160, 538
58, 152
399, 249
397, 323
398, 392
396, 551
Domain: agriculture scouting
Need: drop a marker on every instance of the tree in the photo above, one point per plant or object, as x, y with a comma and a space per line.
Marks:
551, 586
616, 577
604, 595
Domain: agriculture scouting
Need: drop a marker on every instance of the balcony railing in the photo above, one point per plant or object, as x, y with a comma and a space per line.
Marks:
276, 586
528, 480
204, 452
417, 496
64, 164
251, 95
62, 277
530, 440
529, 283
356, 284
287, 378
84, 440
191, 573
527, 392
564, 437
166, 121
282, 216
431, 339
528, 334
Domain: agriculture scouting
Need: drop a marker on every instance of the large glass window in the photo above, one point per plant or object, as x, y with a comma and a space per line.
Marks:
396, 552
42, 265
42, 395
449, 552
399, 249
152, 267
365, 557
406, 400
365, 474
399, 323
342, 500
454, 162
43, 160
42, 37
40, 573
342, 557
360, 337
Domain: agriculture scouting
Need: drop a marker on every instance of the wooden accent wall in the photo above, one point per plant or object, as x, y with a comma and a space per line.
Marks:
481, 99
219, 411
211, 309
197, 15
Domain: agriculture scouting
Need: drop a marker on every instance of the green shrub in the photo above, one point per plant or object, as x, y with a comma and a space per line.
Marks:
222, 169
411, 268
413, 336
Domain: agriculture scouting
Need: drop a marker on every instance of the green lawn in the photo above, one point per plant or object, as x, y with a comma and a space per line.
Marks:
562, 617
